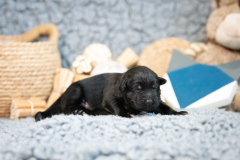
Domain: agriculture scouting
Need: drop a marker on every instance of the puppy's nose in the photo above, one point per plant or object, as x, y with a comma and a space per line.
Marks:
149, 102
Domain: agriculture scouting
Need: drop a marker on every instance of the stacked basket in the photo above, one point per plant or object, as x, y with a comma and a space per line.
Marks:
27, 68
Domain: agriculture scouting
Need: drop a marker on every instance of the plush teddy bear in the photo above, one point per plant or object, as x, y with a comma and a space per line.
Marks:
228, 32
223, 34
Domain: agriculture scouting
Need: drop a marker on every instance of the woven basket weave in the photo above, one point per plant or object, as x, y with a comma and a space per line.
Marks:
158, 54
27, 68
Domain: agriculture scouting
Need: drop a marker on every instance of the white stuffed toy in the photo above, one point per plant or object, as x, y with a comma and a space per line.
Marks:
228, 32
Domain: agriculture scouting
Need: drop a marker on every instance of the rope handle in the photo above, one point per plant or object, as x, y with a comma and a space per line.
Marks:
44, 29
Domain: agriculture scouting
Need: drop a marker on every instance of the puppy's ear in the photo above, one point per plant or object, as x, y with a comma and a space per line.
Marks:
124, 85
161, 80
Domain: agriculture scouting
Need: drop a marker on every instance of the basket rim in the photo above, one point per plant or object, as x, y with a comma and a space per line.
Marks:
43, 29
13, 42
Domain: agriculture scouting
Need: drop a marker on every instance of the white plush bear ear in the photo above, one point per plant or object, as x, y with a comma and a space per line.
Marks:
228, 32
161, 80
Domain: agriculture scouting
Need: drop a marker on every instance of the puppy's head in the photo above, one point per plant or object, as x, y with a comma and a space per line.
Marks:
141, 88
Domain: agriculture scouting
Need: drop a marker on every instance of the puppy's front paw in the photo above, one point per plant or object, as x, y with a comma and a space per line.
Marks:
78, 112
128, 116
180, 113
39, 116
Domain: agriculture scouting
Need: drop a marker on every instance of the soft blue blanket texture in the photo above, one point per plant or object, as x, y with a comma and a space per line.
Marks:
202, 134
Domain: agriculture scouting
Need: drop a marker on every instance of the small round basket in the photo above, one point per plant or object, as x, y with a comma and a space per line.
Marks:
158, 54
27, 68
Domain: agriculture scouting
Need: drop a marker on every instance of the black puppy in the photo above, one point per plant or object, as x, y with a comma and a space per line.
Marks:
134, 91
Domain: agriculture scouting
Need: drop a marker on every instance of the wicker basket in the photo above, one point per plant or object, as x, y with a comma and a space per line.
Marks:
158, 54
27, 68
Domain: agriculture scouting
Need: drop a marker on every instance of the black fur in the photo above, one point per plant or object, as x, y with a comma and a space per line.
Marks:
134, 91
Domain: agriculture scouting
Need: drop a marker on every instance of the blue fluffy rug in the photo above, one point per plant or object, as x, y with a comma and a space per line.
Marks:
202, 134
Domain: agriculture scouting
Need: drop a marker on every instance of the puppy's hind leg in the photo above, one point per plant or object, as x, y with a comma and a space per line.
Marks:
72, 100
54, 109
68, 103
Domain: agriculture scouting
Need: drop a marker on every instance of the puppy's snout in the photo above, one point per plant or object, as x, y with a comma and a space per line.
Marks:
149, 102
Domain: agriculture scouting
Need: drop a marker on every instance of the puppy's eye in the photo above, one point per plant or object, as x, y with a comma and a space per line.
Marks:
139, 87
154, 87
